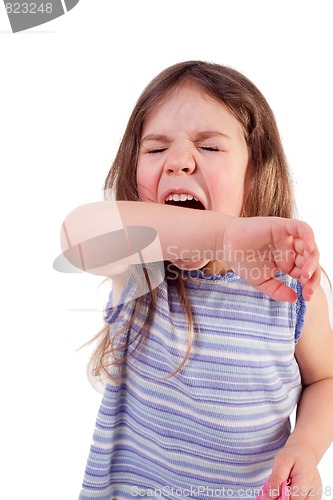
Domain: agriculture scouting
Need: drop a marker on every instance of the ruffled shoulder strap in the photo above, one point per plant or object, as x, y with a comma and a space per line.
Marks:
300, 311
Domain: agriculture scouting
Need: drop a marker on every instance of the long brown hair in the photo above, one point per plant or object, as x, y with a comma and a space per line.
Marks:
268, 187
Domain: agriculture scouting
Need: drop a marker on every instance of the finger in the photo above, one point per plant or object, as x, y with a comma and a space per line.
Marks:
277, 290
303, 267
280, 475
278, 489
301, 229
299, 487
299, 246
310, 285
311, 263
295, 269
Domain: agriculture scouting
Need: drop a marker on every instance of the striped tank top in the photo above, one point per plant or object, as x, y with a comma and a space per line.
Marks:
213, 429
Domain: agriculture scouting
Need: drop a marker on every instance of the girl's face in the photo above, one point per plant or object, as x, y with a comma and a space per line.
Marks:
193, 145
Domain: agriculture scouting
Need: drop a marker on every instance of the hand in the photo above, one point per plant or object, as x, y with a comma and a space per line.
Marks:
297, 463
257, 247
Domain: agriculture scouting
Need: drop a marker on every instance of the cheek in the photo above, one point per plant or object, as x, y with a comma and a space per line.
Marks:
147, 183
227, 192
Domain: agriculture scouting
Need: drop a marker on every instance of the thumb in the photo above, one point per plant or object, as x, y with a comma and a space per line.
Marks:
280, 474
277, 290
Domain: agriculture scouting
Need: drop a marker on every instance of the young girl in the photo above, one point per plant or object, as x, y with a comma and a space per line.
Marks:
209, 346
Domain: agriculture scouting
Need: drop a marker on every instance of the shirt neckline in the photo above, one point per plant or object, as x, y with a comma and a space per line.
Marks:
198, 273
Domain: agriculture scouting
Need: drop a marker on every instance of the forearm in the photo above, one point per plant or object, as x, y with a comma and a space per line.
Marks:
314, 422
182, 233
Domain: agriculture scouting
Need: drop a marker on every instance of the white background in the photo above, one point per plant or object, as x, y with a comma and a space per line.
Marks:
67, 89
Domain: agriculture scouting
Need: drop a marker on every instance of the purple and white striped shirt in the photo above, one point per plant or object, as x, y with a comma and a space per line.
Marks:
213, 429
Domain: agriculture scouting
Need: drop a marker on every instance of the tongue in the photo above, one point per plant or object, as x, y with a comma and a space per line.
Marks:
187, 204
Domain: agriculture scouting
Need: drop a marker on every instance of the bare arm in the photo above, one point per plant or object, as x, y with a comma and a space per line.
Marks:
97, 238
313, 432
181, 232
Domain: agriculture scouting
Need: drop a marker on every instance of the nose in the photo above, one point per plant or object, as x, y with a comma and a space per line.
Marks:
179, 163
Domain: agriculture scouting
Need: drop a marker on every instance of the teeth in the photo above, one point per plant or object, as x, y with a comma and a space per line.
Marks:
180, 197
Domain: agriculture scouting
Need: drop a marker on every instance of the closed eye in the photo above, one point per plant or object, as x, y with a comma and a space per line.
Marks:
154, 151
210, 148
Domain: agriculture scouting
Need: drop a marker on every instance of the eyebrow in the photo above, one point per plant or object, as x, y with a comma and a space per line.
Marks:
205, 134
156, 137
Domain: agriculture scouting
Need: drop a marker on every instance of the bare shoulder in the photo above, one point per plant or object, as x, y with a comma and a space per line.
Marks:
314, 351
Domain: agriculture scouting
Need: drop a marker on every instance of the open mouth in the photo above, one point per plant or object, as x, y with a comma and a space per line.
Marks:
185, 201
